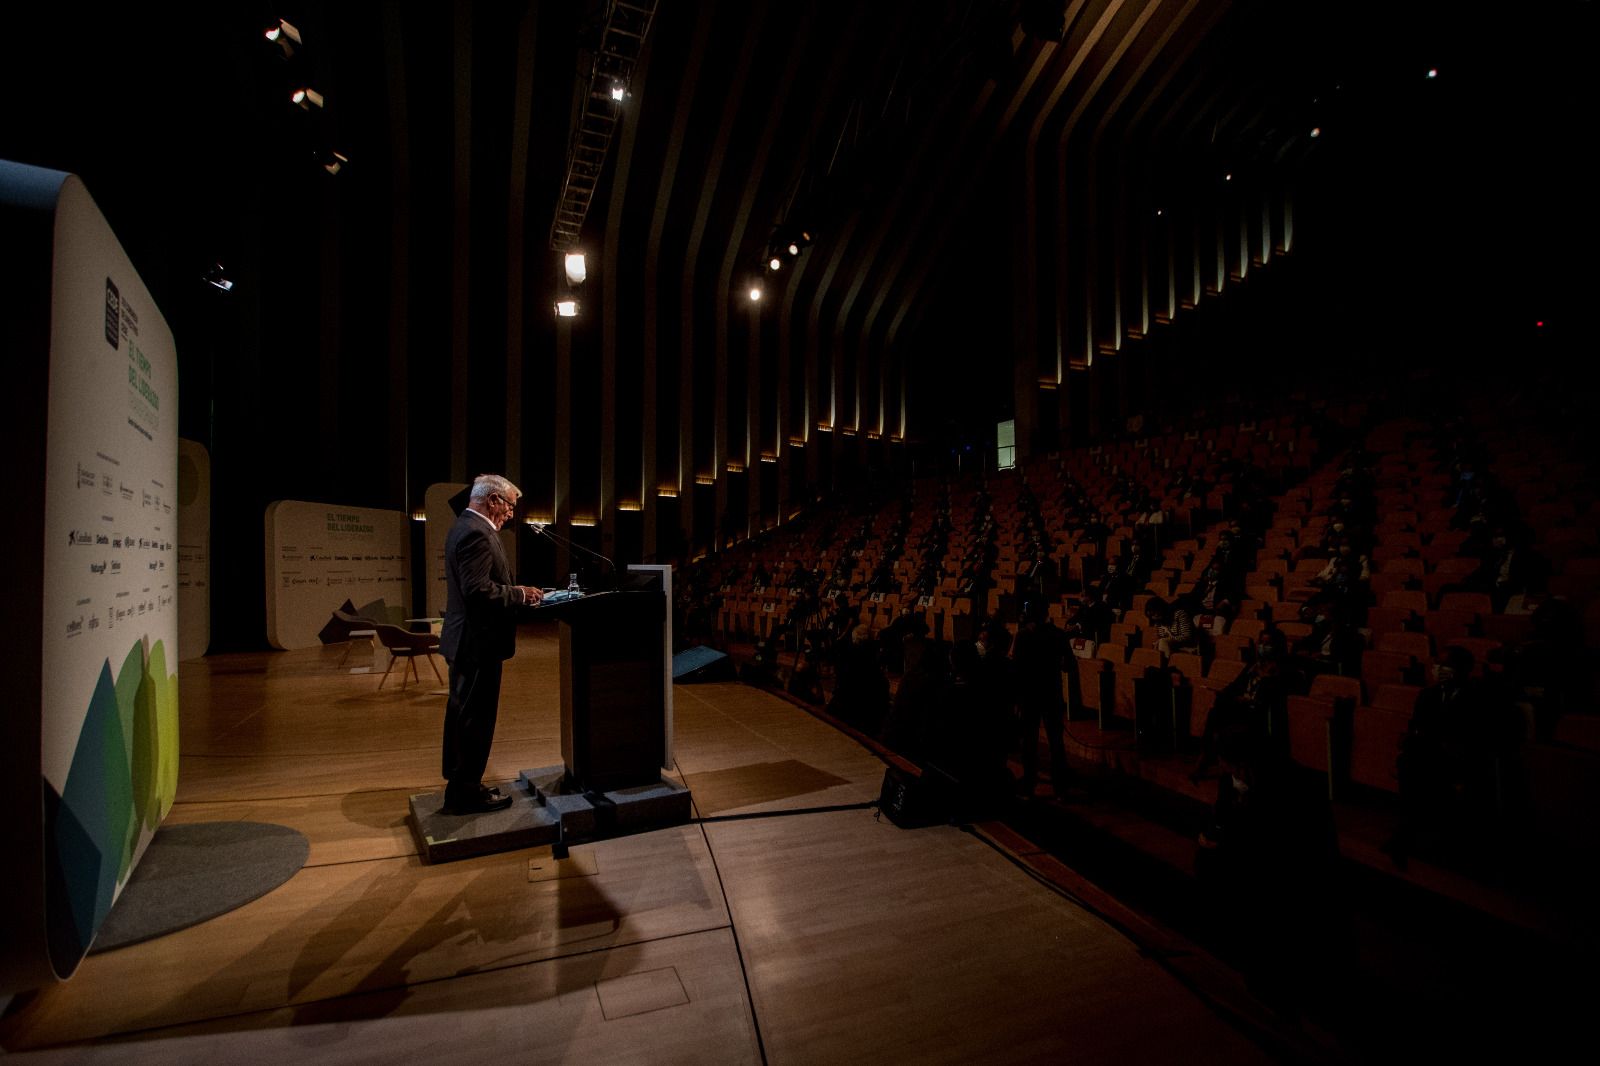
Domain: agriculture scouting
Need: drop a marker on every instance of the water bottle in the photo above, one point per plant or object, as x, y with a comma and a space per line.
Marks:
572, 584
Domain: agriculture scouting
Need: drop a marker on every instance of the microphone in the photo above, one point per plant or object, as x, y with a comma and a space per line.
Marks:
543, 530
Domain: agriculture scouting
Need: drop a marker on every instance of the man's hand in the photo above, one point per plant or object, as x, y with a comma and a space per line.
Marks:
532, 596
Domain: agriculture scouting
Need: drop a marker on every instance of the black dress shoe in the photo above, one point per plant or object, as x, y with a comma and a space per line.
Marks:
481, 804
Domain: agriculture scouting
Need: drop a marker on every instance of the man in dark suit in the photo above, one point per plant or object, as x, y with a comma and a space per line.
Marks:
480, 632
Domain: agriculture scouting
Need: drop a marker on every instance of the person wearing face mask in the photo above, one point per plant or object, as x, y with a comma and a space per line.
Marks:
1219, 588
1116, 589
1134, 563
1344, 567
1174, 629
1505, 570
1092, 620
1256, 703
479, 633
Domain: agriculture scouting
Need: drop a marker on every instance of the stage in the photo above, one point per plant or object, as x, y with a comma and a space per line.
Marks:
807, 937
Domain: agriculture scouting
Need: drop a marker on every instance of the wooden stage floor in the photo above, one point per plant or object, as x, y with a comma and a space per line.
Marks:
829, 937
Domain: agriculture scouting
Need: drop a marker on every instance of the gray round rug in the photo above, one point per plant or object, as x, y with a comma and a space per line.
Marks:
194, 872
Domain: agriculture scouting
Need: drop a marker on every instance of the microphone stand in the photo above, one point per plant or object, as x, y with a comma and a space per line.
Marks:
544, 531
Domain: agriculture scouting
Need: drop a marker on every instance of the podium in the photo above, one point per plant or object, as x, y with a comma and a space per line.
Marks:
613, 703
616, 736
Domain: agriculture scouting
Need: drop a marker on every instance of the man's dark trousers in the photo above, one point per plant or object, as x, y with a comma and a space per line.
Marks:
469, 718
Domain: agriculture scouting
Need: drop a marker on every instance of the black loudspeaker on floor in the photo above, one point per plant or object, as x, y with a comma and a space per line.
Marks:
701, 663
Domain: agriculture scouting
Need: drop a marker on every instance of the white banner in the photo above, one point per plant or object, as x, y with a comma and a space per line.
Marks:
319, 555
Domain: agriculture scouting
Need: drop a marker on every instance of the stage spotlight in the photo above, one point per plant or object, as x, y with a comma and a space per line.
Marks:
306, 98
755, 293
1227, 177
790, 238
1433, 72
566, 308
1316, 131
286, 37
577, 268
332, 161
774, 263
217, 279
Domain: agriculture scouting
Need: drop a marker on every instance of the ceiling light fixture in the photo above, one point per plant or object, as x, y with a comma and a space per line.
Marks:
286, 37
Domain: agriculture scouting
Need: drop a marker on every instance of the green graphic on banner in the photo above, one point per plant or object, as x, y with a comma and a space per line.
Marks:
122, 781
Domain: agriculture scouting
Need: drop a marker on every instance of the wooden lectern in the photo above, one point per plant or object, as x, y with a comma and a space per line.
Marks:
613, 698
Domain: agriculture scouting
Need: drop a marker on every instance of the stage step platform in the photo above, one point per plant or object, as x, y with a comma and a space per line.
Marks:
543, 813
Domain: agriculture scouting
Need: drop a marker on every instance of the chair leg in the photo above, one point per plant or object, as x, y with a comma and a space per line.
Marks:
435, 668
386, 670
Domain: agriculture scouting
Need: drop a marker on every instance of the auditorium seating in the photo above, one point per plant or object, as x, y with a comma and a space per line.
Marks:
1345, 730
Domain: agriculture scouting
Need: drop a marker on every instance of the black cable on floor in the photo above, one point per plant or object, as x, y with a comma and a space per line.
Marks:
733, 928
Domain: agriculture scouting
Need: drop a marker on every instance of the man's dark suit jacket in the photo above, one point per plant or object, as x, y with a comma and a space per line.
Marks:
480, 622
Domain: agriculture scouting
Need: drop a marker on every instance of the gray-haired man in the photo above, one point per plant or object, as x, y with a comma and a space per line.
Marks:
480, 633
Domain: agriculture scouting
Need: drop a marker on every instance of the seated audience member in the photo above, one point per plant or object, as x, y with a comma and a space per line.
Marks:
1174, 629
1096, 531
1117, 589
1092, 620
1507, 570
1134, 564
1335, 644
1255, 702
1237, 548
1218, 592
1340, 600
1345, 567
1042, 580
